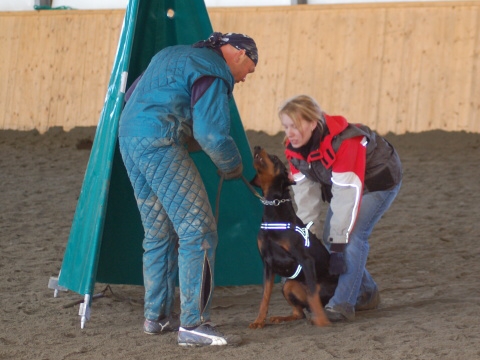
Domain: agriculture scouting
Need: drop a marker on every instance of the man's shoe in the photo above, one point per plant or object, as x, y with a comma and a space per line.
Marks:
335, 315
205, 335
368, 301
151, 327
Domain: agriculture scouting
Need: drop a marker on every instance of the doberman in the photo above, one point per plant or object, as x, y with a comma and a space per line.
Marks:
289, 249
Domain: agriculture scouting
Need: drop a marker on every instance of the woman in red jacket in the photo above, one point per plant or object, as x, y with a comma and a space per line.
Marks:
359, 174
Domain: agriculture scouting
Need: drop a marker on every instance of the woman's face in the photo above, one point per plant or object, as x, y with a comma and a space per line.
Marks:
298, 136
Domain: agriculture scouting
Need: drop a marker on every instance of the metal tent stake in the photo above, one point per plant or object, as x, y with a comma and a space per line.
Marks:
84, 311
53, 284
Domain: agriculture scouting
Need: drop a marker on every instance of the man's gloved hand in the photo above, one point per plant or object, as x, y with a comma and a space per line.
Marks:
337, 264
234, 174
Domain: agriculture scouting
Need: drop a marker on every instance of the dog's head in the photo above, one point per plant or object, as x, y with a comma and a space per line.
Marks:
271, 171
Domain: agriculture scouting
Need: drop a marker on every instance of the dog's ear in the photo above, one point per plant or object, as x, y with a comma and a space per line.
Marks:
256, 181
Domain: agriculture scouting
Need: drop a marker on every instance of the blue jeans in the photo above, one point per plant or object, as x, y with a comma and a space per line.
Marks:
179, 226
357, 280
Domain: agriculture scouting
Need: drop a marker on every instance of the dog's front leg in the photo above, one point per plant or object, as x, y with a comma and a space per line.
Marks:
313, 294
268, 282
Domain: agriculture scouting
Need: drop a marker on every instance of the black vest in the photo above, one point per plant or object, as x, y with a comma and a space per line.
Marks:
383, 167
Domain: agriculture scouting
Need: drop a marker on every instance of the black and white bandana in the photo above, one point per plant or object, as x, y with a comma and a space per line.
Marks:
239, 41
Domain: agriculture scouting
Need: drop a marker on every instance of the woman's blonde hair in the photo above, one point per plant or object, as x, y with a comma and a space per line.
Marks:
303, 107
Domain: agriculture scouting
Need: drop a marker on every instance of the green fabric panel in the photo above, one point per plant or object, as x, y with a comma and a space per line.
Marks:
106, 234
237, 261
79, 266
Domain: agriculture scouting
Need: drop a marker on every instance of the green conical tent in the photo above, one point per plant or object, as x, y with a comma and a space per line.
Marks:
105, 242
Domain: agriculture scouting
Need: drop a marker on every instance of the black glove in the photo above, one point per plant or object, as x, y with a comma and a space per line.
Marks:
337, 264
326, 193
234, 174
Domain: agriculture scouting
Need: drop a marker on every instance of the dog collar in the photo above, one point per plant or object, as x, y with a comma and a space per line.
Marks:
275, 202
288, 226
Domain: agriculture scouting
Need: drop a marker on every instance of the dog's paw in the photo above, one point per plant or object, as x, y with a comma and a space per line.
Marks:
322, 321
280, 319
277, 319
257, 325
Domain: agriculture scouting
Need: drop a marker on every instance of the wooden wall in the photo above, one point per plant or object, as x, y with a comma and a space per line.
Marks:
55, 67
397, 67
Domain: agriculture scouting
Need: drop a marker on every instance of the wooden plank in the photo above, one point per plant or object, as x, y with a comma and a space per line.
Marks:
9, 41
25, 91
101, 51
93, 72
474, 98
461, 27
70, 89
46, 60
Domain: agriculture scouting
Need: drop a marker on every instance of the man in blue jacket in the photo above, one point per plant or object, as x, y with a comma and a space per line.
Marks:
183, 95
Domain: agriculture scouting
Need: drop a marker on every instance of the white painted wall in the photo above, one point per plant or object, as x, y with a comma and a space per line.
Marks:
16, 5
22, 5
365, 1
12, 5
91, 4
226, 3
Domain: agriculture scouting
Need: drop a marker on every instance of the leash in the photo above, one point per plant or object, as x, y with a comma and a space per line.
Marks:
249, 186
264, 201
275, 202
217, 201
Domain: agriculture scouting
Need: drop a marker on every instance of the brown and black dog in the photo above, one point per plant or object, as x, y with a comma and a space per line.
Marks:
289, 249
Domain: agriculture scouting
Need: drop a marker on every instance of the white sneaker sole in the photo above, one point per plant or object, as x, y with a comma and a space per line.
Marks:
215, 340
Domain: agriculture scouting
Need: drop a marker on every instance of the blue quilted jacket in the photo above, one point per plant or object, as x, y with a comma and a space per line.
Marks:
160, 106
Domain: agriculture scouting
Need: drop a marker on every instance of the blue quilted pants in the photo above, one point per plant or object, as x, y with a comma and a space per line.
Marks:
180, 229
